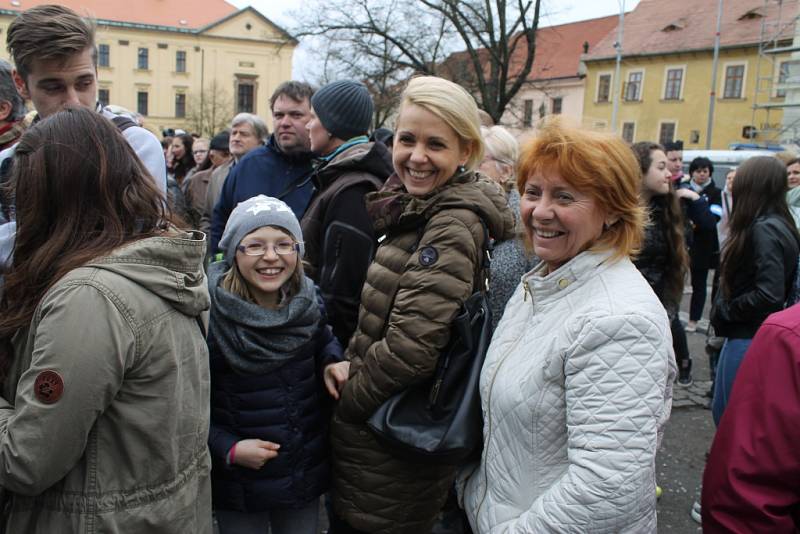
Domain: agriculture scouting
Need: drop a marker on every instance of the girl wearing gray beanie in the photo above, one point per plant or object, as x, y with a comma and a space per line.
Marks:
272, 352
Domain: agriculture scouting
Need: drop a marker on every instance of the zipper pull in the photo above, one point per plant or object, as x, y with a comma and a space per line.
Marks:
527, 290
434, 394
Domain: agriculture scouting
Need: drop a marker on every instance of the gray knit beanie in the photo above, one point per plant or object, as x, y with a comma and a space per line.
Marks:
344, 108
251, 215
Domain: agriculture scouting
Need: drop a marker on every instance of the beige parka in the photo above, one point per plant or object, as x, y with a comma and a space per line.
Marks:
122, 448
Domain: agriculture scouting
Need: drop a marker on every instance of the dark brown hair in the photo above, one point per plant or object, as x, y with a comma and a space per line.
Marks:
48, 32
81, 193
297, 91
672, 221
181, 167
759, 188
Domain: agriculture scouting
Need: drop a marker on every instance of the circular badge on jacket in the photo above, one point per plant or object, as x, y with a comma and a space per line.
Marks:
428, 256
48, 387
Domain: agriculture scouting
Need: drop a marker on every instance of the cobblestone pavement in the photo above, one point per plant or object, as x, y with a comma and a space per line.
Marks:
687, 438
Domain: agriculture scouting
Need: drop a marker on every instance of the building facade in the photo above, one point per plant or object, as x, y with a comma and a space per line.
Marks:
665, 82
182, 64
555, 84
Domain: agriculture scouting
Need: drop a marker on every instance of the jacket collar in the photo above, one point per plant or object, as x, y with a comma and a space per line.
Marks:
570, 276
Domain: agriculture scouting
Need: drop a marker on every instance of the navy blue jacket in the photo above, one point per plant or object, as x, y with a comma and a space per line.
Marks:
288, 406
263, 171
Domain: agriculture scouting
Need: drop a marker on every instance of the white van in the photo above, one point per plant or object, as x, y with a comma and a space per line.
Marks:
723, 161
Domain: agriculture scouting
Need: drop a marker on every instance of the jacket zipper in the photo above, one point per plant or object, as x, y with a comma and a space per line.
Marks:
489, 414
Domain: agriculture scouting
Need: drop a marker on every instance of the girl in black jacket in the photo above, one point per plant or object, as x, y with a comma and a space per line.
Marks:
663, 260
759, 264
272, 358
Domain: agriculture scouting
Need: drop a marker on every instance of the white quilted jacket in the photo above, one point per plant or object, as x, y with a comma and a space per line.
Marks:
576, 389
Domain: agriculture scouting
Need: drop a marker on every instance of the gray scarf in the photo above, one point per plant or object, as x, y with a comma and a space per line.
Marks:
259, 340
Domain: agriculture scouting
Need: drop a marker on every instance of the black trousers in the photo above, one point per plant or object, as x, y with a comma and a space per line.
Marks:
699, 282
679, 343
340, 526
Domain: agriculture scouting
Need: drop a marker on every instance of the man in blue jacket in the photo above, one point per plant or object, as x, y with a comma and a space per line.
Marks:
281, 168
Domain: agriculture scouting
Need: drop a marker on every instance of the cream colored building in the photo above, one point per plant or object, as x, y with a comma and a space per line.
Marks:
181, 64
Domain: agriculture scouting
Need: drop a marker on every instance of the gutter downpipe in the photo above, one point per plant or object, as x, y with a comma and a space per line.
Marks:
618, 46
712, 98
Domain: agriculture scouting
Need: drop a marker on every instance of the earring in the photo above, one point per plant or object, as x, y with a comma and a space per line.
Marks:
461, 169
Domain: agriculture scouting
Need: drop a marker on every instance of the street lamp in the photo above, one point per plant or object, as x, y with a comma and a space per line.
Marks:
618, 47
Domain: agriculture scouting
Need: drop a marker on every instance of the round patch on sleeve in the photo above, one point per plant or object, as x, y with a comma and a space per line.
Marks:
428, 256
48, 387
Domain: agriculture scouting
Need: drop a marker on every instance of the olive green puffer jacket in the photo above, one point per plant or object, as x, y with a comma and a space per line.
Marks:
398, 343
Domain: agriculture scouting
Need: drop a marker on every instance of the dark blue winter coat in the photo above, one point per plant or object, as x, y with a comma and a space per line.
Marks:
264, 171
288, 406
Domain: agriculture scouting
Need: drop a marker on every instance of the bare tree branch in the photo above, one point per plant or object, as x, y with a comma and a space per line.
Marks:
488, 46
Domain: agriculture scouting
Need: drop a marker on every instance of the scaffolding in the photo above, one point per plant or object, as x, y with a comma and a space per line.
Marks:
777, 88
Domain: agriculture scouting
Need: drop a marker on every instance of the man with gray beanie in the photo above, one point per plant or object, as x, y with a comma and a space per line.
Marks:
340, 241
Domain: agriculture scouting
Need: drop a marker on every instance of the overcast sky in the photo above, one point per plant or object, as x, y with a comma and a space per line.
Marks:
553, 12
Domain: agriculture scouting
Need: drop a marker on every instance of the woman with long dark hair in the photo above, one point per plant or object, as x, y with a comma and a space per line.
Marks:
101, 348
663, 259
182, 164
183, 158
759, 264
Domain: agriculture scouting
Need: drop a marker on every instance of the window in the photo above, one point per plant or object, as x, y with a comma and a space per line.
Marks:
542, 110
143, 59
180, 61
666, 132
628, 129
527, 118
633, 90
694, 137
180, 105
786, 69
141, 102
557, 105
672, 87
245, 97
103, 53
734, 81
103, 97
604, 88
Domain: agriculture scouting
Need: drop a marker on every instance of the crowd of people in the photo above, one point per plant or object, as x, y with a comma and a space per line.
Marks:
201, 330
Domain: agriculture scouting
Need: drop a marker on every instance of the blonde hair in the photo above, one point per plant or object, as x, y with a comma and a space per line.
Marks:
598, 164
502, 147
234, 282
454, 105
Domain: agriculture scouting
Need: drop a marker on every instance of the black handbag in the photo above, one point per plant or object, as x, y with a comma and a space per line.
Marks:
439, 421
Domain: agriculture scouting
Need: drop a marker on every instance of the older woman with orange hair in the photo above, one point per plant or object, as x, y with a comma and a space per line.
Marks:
577, 384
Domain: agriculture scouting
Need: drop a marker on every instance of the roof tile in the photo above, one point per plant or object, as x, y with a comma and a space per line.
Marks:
196, 13
659, 26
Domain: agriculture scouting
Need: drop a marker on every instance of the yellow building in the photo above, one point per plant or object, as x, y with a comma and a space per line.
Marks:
181, 64
666, 73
